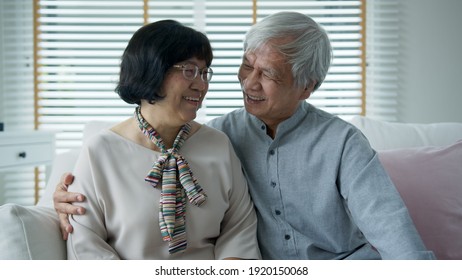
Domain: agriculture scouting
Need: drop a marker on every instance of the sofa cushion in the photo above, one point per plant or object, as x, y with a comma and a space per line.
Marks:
429, 180
30, 233
384, 135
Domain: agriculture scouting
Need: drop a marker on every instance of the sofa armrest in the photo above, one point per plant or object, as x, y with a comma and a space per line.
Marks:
30, 233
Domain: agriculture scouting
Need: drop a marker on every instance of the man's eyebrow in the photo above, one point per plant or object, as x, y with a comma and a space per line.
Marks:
272, 72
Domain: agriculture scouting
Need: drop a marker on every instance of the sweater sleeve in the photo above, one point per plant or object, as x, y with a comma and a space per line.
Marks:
375, 204
238, 236
88, 240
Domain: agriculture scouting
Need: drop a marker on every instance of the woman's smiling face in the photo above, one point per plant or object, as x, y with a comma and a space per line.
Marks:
183, 97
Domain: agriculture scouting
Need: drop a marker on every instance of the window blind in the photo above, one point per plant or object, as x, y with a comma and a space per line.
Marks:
383, 51
17, 92
79, 48
226, 24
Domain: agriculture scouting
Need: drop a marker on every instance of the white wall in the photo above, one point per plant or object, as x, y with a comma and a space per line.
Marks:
16, 65
431, 62
2, 119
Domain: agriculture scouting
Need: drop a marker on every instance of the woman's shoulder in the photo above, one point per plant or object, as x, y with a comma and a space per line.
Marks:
104, 138
211, 133
107, 136
210, 139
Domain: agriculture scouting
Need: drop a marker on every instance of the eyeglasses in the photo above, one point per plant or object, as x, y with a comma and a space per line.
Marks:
190, 72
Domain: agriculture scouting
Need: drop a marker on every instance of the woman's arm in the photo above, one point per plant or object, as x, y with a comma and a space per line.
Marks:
89, 237
238, 238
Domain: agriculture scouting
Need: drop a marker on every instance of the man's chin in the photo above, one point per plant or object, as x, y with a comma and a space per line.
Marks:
250, 108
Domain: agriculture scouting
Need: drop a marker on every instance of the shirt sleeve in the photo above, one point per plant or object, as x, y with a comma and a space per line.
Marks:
88, 240
238, 236
375, 204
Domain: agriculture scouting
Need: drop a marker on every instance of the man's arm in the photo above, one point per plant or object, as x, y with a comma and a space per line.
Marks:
62, 201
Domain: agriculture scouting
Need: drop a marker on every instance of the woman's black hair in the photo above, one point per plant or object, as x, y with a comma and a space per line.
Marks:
151, 52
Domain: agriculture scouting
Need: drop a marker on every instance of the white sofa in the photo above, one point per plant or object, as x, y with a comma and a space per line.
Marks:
423, 160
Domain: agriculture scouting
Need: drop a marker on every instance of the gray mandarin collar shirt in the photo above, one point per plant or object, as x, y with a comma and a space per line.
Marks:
319, 190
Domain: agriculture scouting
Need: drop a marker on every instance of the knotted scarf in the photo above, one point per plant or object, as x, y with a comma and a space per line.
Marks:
172, 175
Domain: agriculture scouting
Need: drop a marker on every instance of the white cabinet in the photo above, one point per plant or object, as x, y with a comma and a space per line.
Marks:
31, 148
28, 148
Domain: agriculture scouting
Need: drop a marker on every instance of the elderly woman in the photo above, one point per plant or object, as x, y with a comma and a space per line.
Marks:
160, 185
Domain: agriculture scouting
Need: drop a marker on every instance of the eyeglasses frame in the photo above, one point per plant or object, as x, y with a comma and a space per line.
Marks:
183, 67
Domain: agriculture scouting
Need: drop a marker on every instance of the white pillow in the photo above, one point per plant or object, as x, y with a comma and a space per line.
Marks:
384, 135
30, 233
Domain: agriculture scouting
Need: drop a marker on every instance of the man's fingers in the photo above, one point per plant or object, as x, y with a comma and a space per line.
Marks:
67, 208
62, 200
67, 178
65, 226
66, 197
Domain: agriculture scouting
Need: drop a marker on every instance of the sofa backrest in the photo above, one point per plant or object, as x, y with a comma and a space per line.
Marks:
384, 135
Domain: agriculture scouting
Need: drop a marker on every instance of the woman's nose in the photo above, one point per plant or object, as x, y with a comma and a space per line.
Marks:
199, 84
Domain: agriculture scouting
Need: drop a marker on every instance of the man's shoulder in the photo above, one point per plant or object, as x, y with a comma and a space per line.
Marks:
228, 121
330, 120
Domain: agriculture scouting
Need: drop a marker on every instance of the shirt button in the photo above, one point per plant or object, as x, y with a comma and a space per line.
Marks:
273, 184
287, 237
272, 152
263, 127
278, 213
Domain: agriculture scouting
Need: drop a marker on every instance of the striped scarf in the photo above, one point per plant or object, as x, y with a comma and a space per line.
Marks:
171, 173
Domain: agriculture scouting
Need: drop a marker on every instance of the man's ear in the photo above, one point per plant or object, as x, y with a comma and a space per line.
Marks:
308, 90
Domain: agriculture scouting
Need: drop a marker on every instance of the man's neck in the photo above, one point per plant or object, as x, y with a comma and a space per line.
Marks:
271, 131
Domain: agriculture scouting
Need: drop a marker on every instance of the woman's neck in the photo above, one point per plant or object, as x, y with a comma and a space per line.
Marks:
168, 134
129, 129
168, 131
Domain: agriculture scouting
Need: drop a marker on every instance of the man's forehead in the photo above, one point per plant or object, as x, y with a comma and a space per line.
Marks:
266, 51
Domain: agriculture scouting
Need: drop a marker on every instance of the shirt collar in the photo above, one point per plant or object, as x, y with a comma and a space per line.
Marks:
302, 110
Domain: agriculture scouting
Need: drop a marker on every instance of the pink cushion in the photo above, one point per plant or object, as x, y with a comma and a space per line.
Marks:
430, 181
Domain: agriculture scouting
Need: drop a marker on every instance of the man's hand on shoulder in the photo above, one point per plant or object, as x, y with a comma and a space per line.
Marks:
62, 200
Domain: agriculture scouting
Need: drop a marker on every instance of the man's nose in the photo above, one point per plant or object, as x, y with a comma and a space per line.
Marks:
251, 81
